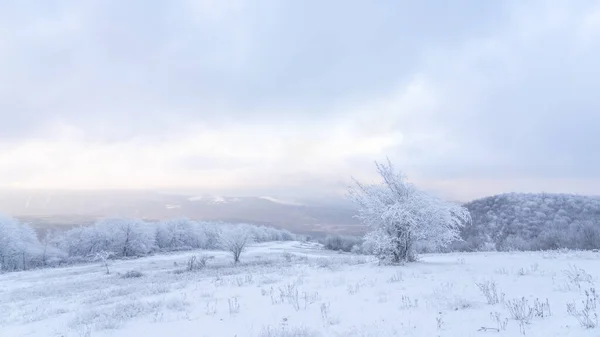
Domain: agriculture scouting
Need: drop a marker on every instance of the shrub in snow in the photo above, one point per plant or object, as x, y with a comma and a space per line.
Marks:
197, 262
133, 274
291, 294
576, 276
287, 331
541, 309
103, 256
341, 243
328, 319
234, 305
520, 310
288, 257
357, 249
490, 291
586, 316
397, 277
399, 215
500, 322
235, 240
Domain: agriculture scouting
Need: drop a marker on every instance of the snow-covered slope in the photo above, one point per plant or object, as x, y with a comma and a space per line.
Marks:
297, 289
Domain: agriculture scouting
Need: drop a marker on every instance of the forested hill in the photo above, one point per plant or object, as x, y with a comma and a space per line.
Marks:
533, 221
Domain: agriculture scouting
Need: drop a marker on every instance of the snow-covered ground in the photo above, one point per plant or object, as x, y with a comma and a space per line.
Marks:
295, 289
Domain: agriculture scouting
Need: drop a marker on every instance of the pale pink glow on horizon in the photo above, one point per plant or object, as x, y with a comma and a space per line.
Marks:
490, 98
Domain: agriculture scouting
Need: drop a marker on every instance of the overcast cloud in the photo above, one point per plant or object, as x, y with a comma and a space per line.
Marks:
469, 98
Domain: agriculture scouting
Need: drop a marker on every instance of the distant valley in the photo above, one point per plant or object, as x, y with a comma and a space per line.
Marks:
44, 210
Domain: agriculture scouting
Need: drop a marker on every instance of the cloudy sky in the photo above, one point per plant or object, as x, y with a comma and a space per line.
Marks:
467, 97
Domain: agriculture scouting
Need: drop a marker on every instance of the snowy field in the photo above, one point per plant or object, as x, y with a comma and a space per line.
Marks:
295, 289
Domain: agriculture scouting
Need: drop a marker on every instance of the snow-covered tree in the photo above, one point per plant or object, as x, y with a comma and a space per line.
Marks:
235, 240
30, 249
212, 233
266, 234
9, 244
127, 237
399, 215
19, 247
82, 242
52, 255
122, 237
180, 234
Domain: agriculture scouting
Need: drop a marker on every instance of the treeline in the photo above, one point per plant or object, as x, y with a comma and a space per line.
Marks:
519, 221
20, 248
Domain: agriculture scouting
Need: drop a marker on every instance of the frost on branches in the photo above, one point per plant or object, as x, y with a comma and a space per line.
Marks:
235, 240
399, 215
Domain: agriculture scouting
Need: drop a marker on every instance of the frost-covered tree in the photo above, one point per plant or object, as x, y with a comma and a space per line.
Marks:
122, 237
235, 240
212, 234
127, 237
181, 234
104, 257
52, 255
19, 247
81, 242
266, 234
9, 244
399, 215
30, 250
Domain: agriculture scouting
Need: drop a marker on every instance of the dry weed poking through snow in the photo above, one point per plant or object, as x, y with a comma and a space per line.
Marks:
289, 289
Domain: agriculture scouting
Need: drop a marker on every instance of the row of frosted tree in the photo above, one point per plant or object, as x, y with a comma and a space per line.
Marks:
20, 248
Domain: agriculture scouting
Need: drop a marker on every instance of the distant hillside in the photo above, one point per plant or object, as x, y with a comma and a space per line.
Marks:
533, 221
53, 209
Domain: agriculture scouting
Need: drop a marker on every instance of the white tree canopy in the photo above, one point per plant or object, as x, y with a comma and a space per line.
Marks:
19, 246
127, 237
399, 215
